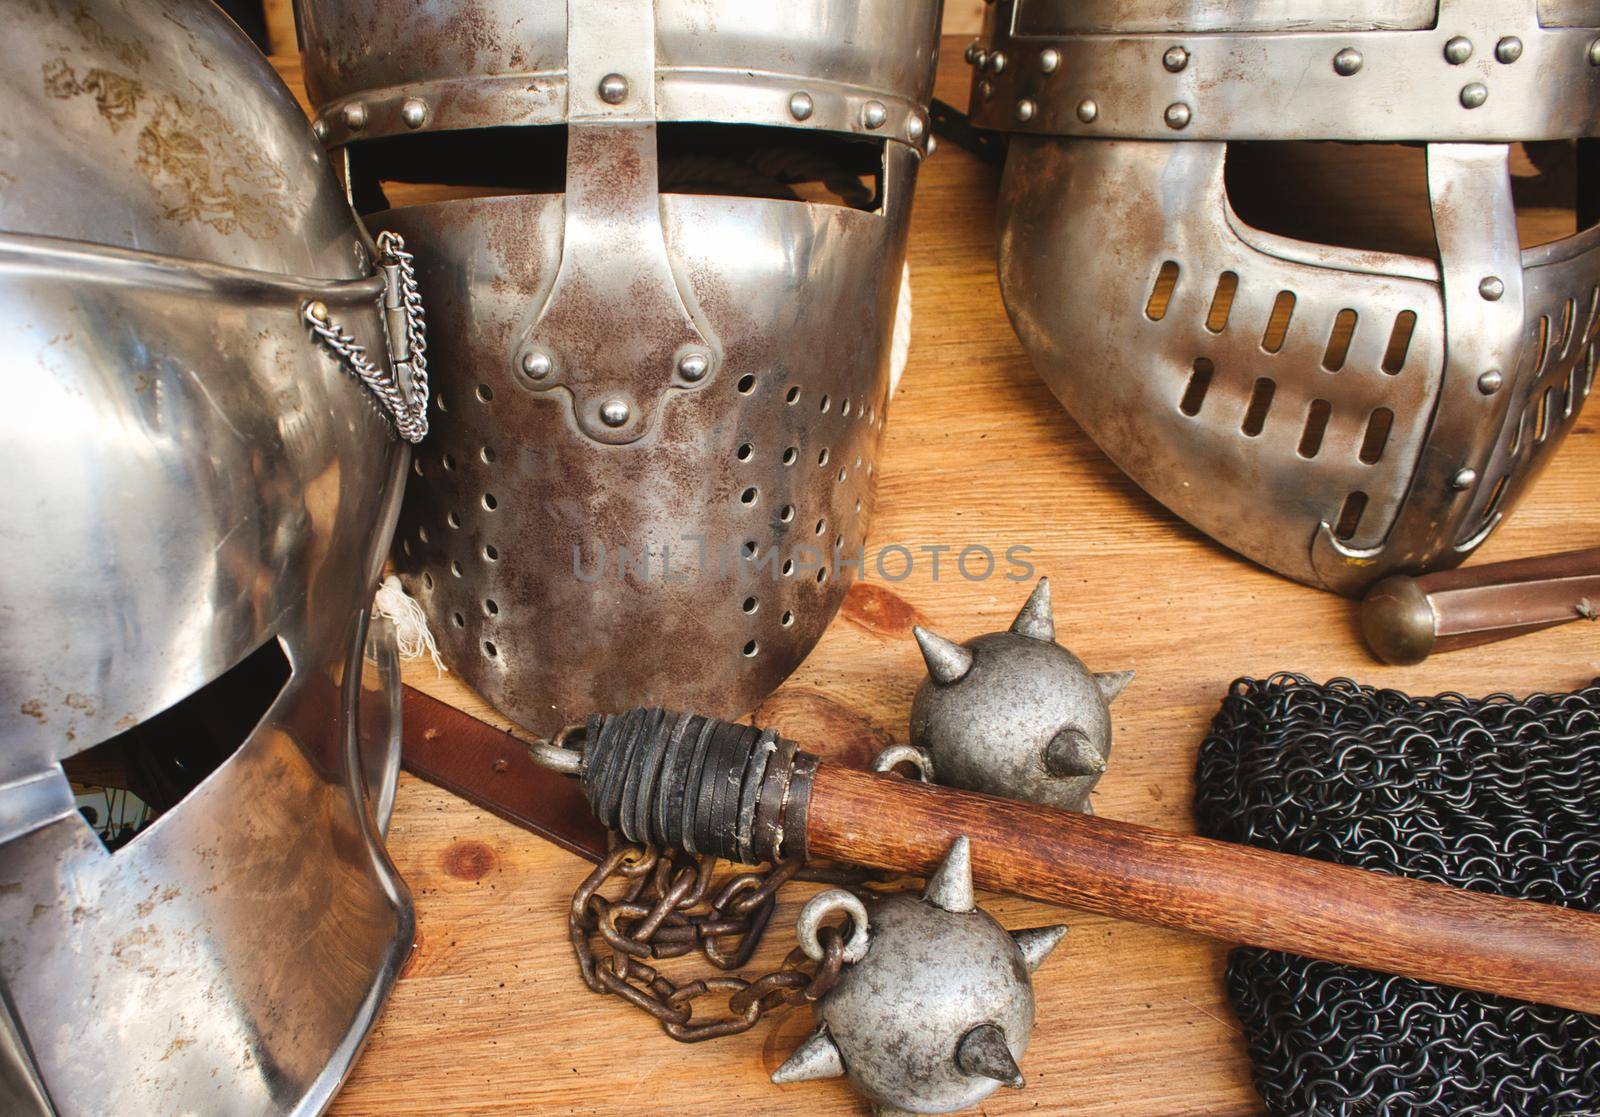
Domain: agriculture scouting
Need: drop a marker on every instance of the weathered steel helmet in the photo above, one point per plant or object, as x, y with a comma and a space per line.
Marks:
661, 354
1335, 413
197, 499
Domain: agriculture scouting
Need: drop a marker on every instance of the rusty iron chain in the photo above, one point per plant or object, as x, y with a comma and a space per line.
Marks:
670, 906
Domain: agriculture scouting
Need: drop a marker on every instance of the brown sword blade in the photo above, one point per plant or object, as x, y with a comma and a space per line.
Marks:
489, 768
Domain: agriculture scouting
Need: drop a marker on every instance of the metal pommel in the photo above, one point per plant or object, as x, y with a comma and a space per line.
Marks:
683, 781
1398, 621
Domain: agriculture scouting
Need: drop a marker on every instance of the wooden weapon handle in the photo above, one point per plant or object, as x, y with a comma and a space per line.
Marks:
1515, 948
1406, 619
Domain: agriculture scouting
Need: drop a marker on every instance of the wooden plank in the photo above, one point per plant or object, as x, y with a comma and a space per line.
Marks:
489, 1016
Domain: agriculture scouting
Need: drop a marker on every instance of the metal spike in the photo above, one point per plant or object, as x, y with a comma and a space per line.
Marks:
1036, 943
1111, 683
818, 1057
950, 886
947, 661
1069, 753
983, 1052
1036, 621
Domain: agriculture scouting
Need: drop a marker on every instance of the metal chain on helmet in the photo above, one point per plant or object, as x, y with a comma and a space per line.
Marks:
404, 394
1499, 795
670, 906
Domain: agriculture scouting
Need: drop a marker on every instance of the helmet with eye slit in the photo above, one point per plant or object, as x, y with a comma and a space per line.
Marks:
195, 765
669, 318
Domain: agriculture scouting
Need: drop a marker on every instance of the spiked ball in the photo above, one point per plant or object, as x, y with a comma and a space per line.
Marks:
936, 1014
1014, 713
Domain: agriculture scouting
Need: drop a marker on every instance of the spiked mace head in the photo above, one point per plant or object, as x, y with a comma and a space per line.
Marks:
929, 1038
1014, 713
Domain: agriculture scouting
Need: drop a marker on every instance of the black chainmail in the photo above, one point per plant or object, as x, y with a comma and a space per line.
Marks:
1493, 794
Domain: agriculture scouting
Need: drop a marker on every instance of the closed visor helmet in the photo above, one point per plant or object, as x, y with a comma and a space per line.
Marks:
197, 914
1334, 412
661, 246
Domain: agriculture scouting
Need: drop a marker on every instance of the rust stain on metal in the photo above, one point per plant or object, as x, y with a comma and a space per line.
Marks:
190, 153
116, 97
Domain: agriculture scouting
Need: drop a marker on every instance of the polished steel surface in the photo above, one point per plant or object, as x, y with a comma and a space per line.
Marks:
189, 478
492, 62
146, 125
1335, 414
1271, 71
639, 391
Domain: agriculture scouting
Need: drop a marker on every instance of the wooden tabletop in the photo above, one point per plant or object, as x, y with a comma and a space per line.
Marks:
489, 1016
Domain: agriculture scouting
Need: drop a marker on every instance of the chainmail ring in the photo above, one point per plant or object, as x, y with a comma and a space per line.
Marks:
1496, 795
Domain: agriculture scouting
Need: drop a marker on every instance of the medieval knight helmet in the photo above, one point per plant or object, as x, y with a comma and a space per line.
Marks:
1335, 413
662, 251
198, 497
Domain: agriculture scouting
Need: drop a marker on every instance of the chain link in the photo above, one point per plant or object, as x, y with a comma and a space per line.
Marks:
1497, 795
406, 400
670, 906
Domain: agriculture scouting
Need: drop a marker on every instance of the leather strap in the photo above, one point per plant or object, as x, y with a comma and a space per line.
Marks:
490, 768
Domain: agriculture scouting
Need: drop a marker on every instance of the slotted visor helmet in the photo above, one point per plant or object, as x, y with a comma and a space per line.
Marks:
1334, 412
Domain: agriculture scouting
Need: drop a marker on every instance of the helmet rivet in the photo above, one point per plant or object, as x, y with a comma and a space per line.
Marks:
537, 364
692, 366
414, 113
1492, 288
1088, 110
318, 310
1025, 111
1458, 50
873, 114
914, 127
1464, 479
1049, 59
1489, 383
615, 412
1178, 115
800, 105
319, 128
1594, 53
1348, 61
997, 62
973, 50
980, 59
1175, 59
1508, 49
355, 116
986, 88
1474, 94
613, 89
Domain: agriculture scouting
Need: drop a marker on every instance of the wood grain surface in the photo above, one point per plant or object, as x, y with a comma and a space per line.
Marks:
489, 1016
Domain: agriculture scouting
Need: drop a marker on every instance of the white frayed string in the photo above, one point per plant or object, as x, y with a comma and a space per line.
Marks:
900, 346
411, 635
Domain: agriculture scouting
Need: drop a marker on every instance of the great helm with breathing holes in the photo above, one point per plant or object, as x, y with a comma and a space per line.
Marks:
198, 497
1335, 413
662, 247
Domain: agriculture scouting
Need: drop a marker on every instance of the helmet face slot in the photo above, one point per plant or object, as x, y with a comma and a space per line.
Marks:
726, 160
785, 164
394, 172
126, 782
